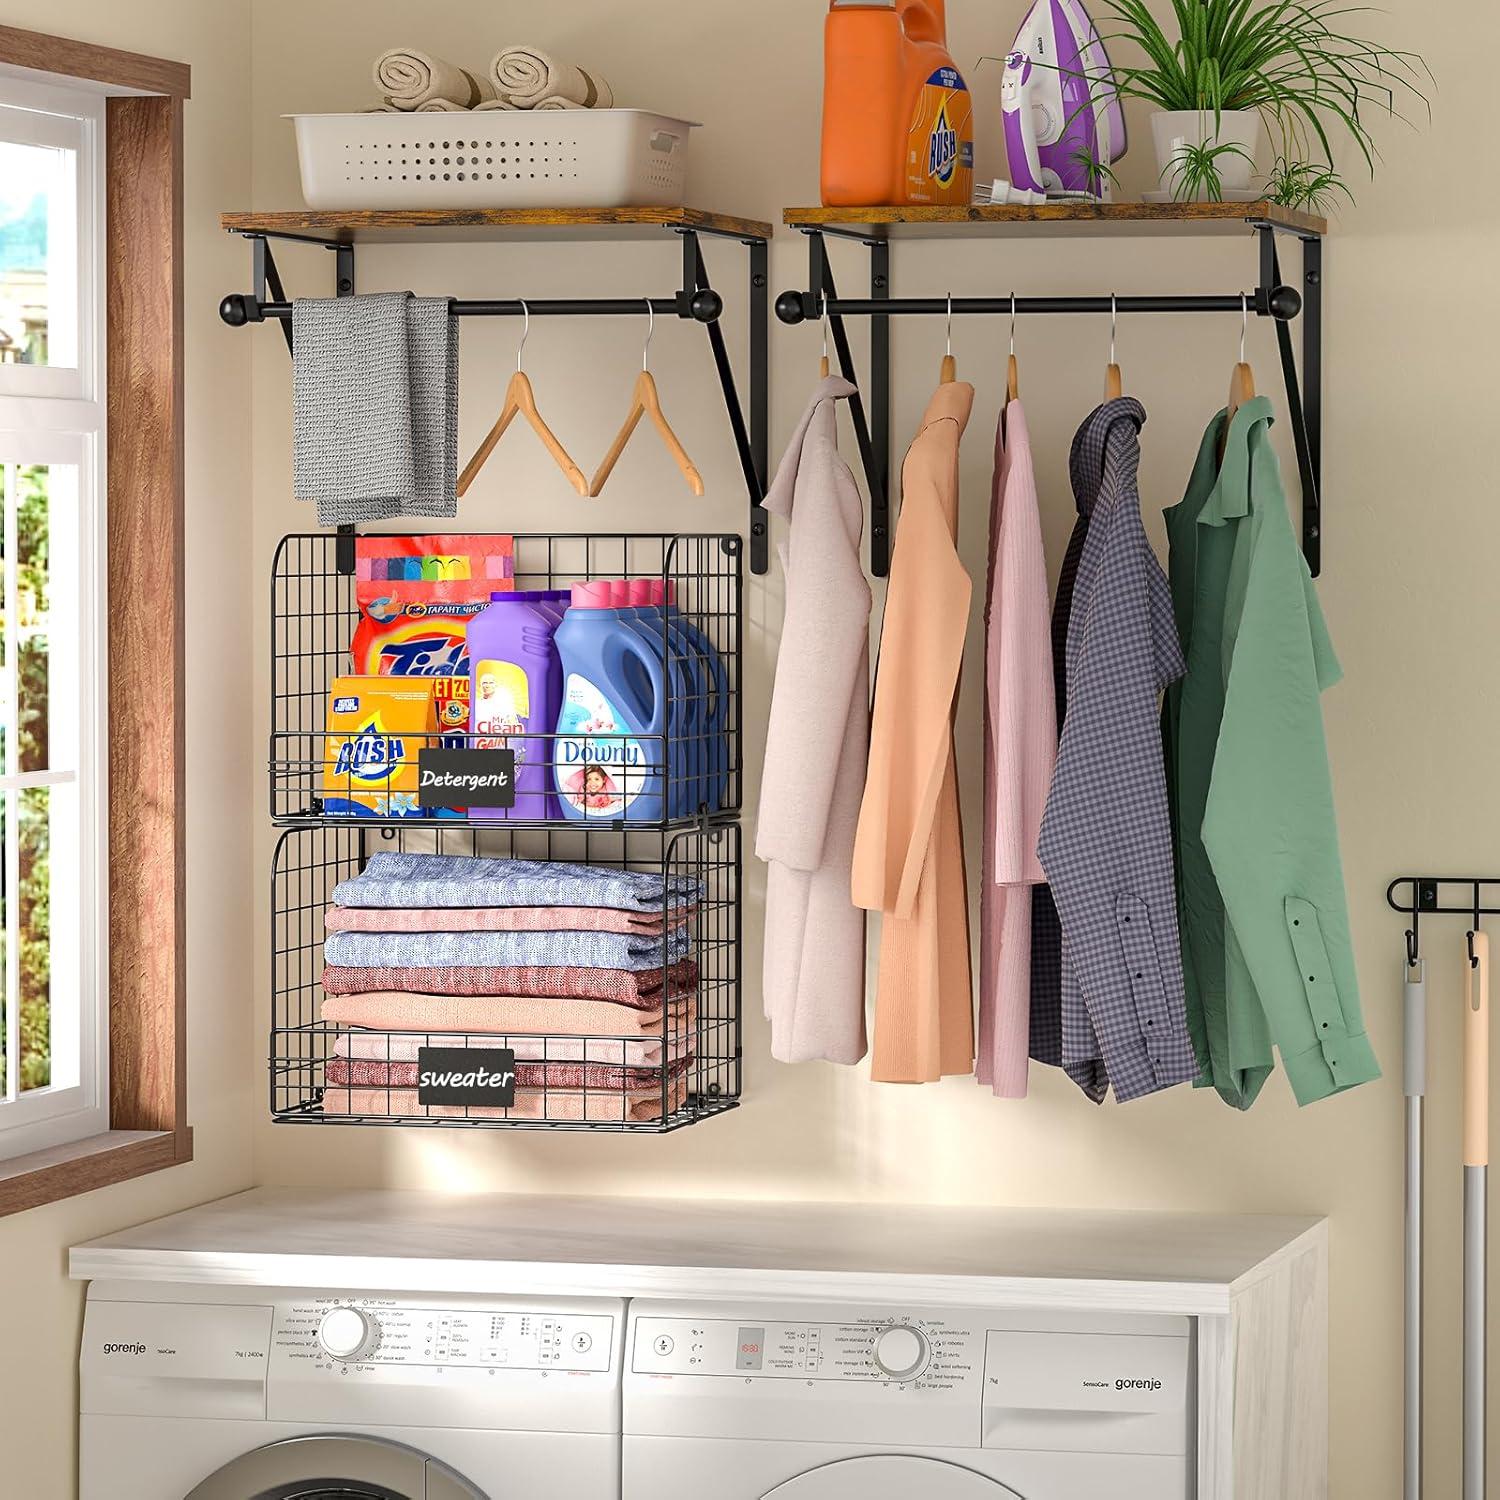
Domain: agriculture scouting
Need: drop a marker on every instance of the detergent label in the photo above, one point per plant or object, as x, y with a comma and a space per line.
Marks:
940, 142
395, 639
600, 769
456, 780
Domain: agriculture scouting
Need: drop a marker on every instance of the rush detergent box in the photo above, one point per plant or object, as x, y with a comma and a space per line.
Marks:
376, 726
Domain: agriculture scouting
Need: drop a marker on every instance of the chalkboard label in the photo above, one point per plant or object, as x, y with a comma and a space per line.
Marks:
466, 778
467, 1075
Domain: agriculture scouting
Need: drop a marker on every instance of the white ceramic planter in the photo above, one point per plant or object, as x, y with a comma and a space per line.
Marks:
1174, 129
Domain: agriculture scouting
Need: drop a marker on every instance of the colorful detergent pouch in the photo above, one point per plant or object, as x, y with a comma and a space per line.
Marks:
376, 726
416, 597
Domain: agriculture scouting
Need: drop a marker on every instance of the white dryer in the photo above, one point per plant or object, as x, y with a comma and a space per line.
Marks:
885, 1403
247, 1393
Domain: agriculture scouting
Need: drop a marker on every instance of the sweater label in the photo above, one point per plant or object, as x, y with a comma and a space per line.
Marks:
467, 1075
600, 767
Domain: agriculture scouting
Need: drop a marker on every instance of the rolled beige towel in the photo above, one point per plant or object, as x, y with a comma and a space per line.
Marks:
446, 106
555, 101
527, 75
409, 78
496, 104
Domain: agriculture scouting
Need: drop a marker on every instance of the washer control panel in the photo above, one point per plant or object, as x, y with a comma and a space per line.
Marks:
927, 1352
351, 1334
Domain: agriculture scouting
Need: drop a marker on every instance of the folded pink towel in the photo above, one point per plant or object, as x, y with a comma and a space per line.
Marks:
642, 987
531, 1104
501, 919
342, 1072
402, 1047
387, 1010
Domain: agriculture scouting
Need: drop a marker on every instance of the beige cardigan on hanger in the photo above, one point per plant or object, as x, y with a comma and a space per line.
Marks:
908, 853
816, 741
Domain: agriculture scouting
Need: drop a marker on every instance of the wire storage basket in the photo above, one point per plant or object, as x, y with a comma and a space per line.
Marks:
678, 1062
683, 768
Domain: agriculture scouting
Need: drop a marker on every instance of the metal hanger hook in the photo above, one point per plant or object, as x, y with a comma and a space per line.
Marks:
949, 349
650, 329
525, 329
1473, 961
1111, 328
825, 338
1244, 323
1411, 948
1012, 322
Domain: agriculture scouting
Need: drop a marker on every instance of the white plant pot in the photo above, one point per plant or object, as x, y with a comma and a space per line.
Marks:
1173, 130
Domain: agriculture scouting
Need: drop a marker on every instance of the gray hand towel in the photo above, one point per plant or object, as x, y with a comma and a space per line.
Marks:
375, 406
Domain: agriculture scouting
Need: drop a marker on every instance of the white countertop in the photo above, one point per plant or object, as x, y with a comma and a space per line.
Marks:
419, 1242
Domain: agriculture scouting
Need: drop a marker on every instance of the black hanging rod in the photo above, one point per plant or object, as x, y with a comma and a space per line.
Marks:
703, 306
1426, 895
1281, 302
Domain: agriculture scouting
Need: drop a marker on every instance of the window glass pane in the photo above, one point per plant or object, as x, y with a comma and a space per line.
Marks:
32, 620
34, 937
38, 255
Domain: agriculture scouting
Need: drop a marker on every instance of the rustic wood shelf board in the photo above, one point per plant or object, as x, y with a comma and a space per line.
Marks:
395, 225
1056, 218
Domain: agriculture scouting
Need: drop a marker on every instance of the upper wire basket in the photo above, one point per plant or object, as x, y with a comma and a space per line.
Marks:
692, 761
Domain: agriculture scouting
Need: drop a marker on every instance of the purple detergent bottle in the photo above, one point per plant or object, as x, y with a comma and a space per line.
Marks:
515, 693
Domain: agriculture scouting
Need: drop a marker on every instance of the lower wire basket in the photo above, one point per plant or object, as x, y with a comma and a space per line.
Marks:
661, 1053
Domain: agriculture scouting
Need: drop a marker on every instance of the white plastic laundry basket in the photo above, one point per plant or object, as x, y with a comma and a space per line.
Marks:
501, 158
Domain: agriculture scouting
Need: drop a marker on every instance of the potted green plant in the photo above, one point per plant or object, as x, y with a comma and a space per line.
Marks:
1236, 67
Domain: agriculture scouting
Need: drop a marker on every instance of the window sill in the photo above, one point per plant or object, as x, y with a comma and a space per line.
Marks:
94, 1162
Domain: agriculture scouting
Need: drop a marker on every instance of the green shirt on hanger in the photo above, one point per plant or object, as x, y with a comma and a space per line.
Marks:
1265, 925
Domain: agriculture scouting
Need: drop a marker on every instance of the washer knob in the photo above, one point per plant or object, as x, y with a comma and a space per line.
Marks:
901, 1352
347, 1333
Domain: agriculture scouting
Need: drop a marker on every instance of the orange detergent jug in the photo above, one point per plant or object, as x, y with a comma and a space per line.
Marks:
897, 122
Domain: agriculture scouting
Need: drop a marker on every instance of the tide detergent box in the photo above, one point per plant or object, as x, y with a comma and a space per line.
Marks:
376, 726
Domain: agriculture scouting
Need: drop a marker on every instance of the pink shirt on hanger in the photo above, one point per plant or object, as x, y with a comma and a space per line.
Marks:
1020, 750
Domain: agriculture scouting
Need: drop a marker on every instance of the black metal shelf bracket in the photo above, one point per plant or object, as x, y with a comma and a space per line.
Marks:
695, 300
1271, 298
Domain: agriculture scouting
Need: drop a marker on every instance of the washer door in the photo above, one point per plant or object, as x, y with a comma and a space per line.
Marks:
891, 1477
335, 1468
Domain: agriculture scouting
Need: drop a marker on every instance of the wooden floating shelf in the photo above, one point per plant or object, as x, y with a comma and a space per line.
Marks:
399, 225
980, 219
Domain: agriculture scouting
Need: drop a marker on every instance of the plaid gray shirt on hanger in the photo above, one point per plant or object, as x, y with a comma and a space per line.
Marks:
1106, 841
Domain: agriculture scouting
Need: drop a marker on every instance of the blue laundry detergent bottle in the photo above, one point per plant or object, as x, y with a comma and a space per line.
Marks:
608, 755
651, 628
688, 697
713, 701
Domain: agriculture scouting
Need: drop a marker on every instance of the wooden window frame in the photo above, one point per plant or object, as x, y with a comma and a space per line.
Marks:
144, 499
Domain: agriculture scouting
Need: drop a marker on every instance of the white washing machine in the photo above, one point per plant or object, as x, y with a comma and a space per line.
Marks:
247, 1393
886, 1403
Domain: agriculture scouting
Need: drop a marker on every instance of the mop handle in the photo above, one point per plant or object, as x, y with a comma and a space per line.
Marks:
1414, 1017
1477, 1055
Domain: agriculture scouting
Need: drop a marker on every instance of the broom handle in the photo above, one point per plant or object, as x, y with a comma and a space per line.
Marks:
1414, 1078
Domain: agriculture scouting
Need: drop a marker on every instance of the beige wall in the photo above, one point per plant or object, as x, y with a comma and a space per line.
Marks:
1411, 542
1408, 589
40, 1323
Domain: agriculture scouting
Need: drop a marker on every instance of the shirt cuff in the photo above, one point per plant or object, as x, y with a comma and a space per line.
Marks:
1315, 1076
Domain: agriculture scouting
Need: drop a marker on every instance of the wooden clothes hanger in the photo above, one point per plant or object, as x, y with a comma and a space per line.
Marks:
1114, 386
1012, 370
948, 370
645, 402
1241, 380
519, 397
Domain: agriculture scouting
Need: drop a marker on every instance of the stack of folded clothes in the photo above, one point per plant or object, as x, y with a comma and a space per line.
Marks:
585, 972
